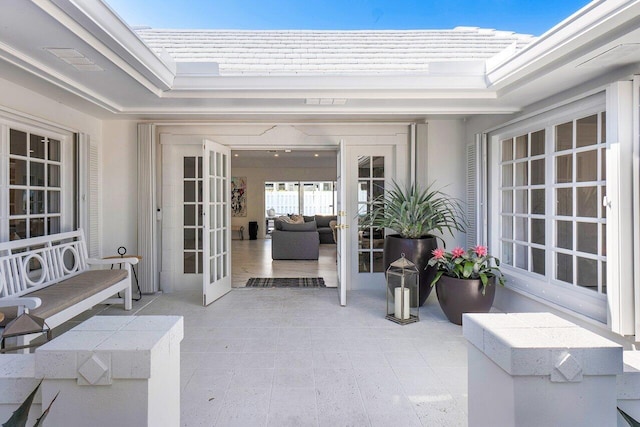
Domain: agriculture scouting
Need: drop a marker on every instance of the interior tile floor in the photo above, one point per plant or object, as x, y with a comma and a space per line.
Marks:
294, 357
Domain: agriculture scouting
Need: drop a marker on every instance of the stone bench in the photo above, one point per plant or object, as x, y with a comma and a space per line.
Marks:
50, 278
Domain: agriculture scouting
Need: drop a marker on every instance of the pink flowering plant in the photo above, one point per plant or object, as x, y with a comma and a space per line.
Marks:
475, 263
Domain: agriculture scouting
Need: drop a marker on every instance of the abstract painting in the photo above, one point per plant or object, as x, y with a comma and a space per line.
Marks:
239, 196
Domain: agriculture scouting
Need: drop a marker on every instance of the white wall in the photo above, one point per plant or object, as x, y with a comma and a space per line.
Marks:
119, 186
256, 177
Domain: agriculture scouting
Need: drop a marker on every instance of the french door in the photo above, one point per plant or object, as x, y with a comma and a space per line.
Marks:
342, 226
216, 278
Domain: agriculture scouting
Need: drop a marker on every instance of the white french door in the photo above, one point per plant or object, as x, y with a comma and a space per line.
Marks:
216, 278
341, 230
370, 170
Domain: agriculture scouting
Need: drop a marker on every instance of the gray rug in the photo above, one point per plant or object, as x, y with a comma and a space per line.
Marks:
285, 282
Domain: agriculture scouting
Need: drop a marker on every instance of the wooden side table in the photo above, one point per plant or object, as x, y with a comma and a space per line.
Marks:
135, 276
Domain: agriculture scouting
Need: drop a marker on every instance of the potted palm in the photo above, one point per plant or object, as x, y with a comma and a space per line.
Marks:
465, 280
414, 214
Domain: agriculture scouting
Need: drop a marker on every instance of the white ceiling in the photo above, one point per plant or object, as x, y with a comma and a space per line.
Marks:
282, 159
139, 85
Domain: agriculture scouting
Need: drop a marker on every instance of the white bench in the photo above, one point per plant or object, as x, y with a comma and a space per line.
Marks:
50, 277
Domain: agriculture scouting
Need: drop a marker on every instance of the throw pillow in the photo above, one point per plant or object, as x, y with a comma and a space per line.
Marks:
285, 219
305, 226
297, 219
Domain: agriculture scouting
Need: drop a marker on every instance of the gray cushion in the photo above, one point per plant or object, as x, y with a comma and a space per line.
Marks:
62, 295
324, 220
308, 218
307, 226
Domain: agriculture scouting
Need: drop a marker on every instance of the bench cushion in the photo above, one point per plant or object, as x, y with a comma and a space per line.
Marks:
69, 292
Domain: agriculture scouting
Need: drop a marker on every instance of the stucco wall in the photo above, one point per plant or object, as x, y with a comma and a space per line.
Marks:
119, 186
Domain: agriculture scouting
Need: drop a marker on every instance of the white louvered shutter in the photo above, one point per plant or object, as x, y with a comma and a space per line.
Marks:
476, 192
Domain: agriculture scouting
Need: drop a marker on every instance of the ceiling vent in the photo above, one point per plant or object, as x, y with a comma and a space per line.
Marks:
325, 101
74, 58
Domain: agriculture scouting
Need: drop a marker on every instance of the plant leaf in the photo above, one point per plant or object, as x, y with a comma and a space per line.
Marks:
629, 419
20, 415
435, 279
40, 420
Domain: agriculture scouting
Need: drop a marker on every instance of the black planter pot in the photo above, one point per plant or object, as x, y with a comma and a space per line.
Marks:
457, 296
418, 251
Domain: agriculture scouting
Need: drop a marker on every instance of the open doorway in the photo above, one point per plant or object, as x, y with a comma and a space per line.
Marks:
301, 182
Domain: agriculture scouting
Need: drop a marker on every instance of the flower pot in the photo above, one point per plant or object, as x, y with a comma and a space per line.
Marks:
417, 251
457, 296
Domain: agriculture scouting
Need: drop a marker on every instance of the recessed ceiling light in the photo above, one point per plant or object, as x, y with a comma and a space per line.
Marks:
287, 151
235, 155
276, 155
316, 155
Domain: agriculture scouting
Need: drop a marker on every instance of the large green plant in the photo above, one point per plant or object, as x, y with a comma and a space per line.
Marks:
413, 212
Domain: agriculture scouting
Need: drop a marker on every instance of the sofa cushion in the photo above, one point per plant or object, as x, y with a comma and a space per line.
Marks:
305, 226
324, 220
308, 218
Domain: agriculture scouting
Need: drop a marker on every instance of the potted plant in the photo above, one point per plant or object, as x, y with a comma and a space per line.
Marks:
465, 280
414, 214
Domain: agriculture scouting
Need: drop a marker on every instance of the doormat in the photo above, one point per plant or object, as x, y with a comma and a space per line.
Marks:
285, 282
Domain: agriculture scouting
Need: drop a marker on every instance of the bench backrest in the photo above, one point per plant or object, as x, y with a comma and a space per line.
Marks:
29, 264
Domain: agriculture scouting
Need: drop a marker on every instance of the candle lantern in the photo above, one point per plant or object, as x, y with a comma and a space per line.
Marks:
402, 291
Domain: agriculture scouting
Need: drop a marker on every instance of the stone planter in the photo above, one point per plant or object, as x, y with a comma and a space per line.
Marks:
457, 296
418, 251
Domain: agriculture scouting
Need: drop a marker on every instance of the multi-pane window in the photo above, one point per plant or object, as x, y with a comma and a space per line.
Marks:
35, 185
552, 183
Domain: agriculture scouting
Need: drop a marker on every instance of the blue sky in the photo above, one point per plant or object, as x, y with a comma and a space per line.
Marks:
522, 16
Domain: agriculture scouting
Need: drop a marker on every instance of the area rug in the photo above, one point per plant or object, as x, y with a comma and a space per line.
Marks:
285, 282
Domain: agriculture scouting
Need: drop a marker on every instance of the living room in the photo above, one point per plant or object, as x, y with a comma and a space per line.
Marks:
278, 183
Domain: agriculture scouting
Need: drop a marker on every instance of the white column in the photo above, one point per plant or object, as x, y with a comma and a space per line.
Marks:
114, 371
535, 369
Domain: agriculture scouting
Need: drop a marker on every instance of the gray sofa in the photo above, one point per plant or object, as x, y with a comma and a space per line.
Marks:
295, 241
324, 229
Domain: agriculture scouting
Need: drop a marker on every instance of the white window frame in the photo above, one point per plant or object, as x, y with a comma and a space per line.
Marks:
67, 167
580, 301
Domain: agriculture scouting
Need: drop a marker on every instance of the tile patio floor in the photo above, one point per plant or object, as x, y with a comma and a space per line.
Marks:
294, 357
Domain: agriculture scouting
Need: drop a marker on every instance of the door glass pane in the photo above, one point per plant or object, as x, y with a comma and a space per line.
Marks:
522, 201
603, 272
587, 166
522, 258
363, 191
36, 227
378, 189
587, 272
53, 175
507, 253
522, 229
37, 146
564, 136
587, 131
537, 143
378, 167
522, 173
537, 172
189, 262
189, 167
36, 197
17, 202
507, 201
564, 267
17, 142
538, 231
37, 174
507, 150
538, 201
507, 175
364, 167
199, 166
587, 237
53, 225
53, 201
564, 234
17, 229
199, 261
538, 261
17, 172
364, 263
190, 191
564, 201
564, 169
54, 150
507, 227
190, 215
587, 201
189, 238
378, 264
522, 147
